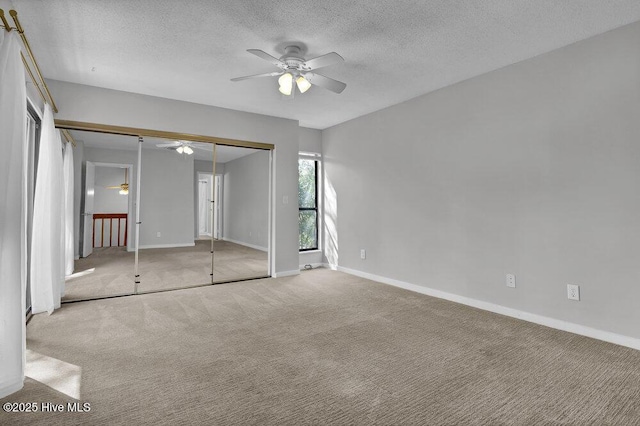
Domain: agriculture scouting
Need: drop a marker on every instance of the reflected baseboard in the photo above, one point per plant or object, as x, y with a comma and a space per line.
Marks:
242, 243
154, 246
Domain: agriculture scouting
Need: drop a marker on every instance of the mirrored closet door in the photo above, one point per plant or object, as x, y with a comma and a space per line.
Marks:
202, 224
160, 213
104, 181
241, 194
175, 203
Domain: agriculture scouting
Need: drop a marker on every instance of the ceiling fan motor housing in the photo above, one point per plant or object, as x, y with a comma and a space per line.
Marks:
293, 58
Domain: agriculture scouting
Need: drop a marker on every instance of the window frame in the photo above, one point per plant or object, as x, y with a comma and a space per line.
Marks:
32, 115
316, 160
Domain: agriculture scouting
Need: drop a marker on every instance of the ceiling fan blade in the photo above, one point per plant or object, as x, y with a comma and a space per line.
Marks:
323, 61
113, 187
264, 55
266, 74
325, 82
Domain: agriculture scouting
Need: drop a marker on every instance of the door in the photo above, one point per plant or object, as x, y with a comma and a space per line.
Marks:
202, 207
87, 214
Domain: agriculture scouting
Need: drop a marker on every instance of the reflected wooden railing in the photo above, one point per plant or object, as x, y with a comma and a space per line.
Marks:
110, 217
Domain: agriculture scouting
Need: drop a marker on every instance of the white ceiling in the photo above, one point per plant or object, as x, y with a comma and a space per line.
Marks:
394, 50
202, 151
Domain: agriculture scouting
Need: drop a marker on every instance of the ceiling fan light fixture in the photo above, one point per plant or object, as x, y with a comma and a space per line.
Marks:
293, 67
124, 192
187, 150
303, 84
180, 149
286, 84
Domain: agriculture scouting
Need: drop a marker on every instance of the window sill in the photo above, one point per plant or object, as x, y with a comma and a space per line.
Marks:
310, 251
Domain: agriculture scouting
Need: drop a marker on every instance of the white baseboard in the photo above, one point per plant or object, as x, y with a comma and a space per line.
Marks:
582, 330
245, 244
153, 246
286, 273
11, 388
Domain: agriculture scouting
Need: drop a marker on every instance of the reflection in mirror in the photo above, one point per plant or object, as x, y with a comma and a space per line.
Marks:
181, 223
173, 253
241, 213
198, 224
104, 222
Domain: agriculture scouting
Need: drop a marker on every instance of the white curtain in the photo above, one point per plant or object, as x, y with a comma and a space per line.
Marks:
13, 242
68, 209
48, 242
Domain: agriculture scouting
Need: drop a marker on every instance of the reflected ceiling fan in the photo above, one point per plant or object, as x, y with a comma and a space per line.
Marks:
181, 147
123, 187
294, 68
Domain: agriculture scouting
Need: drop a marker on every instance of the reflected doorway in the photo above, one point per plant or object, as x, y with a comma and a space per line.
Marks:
205, 206
209, 213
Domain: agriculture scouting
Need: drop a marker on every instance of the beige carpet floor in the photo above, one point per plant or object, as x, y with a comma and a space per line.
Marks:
321, 348
109, 271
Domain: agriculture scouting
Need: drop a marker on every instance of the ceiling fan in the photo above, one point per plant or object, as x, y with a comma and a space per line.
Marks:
181, 147
294, 68
123, 187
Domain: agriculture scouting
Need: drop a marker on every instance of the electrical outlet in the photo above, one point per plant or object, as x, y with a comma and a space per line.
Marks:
158, 234
363, 254
511, 280
573, 292
285, 199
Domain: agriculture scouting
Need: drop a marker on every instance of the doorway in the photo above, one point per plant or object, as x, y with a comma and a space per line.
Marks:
106, 207
209, 214
106, 221
205, 209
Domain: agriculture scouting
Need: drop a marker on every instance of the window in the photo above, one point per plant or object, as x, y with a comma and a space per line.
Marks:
33, 141
308, 203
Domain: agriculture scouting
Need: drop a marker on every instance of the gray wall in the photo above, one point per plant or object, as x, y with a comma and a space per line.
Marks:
96, 105
310, 140
246, 200
532, 169
166, 199
109, 200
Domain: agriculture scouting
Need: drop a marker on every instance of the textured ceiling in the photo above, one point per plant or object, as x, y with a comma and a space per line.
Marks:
394, 50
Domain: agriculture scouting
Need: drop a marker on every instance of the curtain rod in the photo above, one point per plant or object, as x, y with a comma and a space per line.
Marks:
68, 137
18, 27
